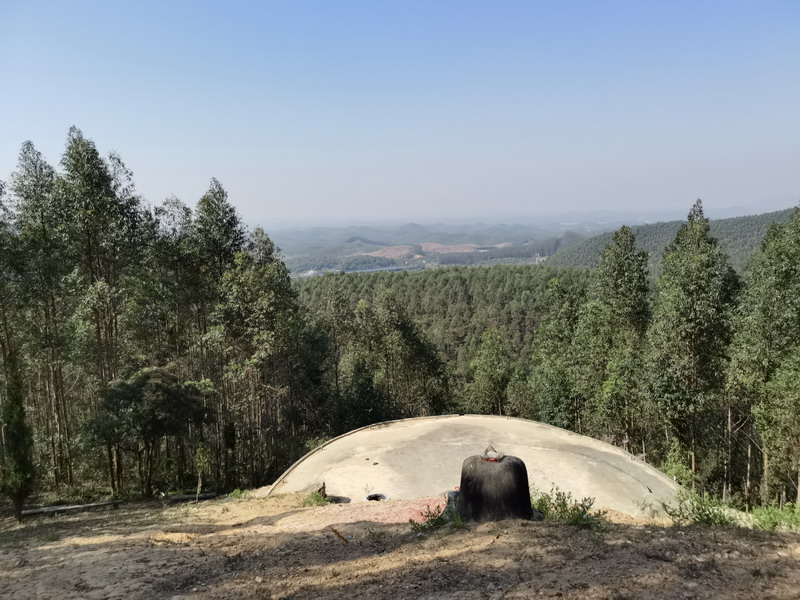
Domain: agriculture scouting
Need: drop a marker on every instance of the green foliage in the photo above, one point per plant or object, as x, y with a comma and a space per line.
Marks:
692, 509
675, 464
492, 367
389, 369
771, 517
137, 413
556, 401
764, 365
316, 499
436, 518
238, 494
17, 472
115, 305
607, 369
560, 507
739, 238
691, 329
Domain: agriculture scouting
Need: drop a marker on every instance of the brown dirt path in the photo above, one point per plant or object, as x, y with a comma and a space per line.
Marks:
274, 548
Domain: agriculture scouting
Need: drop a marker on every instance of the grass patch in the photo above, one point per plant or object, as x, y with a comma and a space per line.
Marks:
237, 494
691, 509
436, 518
772, 518
316, 499
560, 507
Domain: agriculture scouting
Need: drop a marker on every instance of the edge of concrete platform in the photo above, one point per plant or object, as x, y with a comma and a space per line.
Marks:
605, 446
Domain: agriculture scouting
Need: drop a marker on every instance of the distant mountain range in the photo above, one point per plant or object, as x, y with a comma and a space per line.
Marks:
572, 240
415, 246
739, 237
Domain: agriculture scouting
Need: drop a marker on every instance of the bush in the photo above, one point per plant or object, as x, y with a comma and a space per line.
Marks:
436, 518
771, 517
693, 509
237, 493
675, 464
316, 499
559, 507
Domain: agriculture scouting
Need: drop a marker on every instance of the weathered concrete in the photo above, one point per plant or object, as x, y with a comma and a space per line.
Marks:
414, 458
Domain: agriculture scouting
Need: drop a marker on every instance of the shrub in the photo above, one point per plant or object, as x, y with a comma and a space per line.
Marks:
316, 499
436, 518
771, 517
560, 507
692, 509
675, 465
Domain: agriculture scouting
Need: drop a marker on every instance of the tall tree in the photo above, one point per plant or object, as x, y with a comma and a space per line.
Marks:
217, 236
270, 392
691, 330
40, 222
390, 361
555, 399
767, 329
16, 443
16, 465
104, 217
778, 417
493, 369
138, 413
609, 342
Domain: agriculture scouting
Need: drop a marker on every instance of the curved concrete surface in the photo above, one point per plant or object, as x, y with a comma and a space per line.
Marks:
414, 458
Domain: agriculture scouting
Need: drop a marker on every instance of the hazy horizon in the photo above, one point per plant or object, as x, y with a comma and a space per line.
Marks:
314, 112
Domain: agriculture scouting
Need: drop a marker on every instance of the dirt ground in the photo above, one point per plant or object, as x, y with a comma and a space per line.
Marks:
275, 548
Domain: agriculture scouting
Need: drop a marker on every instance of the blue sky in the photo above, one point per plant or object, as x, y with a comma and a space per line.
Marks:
337, 111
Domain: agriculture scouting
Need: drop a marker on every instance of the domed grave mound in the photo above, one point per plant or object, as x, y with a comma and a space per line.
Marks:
416, 458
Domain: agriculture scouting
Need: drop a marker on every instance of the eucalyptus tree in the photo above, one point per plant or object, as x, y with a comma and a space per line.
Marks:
140, 413
41, 226
767, 332
335, 320
778, 419
16, 442
217, 237
390, 362
609, 342
271, 385
690, 332
103, 216
556, 400
492, 372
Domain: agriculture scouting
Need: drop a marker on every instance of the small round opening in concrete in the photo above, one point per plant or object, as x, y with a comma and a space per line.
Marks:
376, 497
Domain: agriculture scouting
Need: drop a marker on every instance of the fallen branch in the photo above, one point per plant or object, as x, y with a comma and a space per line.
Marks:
65, 508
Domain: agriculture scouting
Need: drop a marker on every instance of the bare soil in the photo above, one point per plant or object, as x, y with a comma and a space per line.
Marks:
275, 548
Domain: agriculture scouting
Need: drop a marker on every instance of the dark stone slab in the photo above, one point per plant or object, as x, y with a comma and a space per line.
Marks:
493, 489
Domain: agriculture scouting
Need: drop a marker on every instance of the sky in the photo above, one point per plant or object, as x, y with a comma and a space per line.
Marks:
339, 111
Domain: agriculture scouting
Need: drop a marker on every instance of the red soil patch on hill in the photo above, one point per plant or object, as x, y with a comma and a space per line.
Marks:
392, 251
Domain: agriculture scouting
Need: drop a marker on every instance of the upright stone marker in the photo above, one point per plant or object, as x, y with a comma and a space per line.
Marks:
494, 487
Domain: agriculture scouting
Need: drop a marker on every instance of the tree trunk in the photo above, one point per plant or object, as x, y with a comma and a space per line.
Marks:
119, 467
747, 485
111, 474
694, 458
726, 489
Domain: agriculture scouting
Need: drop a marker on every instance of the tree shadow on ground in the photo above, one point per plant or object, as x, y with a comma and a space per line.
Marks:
512, 559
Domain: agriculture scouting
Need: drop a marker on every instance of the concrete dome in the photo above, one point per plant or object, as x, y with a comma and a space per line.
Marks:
414, 458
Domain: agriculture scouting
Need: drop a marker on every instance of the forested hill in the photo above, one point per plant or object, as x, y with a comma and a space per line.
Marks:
739, 237
454, 306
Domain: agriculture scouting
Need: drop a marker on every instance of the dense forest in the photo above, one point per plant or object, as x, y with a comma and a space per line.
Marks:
144, 348
738, 237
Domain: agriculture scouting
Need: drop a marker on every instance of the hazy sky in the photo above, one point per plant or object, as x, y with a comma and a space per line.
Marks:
360, 110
